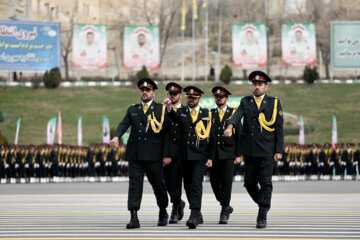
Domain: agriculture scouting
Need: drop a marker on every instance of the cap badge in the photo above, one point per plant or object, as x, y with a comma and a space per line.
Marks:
172, 88
257, 77
192, 91
145, 84
218, 91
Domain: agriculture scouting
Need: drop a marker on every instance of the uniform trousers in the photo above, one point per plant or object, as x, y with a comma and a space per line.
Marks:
221, 179
258, 179
154, 173
173, 180
193, 172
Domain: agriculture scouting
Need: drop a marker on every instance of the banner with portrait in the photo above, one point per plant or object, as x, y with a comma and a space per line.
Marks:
29, 45
89, 46
298, 44
249, 46
141, 48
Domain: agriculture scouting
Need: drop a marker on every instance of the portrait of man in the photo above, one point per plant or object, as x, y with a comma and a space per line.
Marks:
141, 49
249, 47
90, 49
299, 45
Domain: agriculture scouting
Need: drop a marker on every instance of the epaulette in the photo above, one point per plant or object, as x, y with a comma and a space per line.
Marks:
133, 105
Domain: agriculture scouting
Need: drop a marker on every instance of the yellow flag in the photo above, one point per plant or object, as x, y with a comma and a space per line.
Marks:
183, 16
195, 9
204, 5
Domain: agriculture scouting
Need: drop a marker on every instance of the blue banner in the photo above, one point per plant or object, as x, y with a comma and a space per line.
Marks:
29, 46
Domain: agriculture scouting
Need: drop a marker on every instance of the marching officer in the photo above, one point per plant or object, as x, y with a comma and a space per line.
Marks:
261, 141
172, 172
196, 149
227, 154
147, 150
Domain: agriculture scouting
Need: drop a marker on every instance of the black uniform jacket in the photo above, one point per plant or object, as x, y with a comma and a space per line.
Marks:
226, 147
255, 141
175, 132
143, 143
189, 149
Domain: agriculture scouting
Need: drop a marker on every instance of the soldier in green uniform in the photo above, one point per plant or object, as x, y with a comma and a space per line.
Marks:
227, 154
196, 149
261, 141
172, 172
147, 150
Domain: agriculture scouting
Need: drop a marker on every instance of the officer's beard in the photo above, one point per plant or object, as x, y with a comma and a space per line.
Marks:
145, 99
220, 105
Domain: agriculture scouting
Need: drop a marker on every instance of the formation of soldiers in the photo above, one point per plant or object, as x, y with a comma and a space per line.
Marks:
99, 162
324, 162
45, 163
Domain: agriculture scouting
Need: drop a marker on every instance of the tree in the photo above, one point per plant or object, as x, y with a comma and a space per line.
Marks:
66, 39
226, 74
162, 13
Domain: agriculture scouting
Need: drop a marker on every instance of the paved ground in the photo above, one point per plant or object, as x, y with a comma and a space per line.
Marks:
301, 210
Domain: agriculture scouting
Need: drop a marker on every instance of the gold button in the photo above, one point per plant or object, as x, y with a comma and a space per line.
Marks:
252, 126
145, 139
174, 131
188, 142
218, 142
218, 135
140, 124
192, 142
189, 134
139, 138
172, 123
252, 134
139, 130
190, 126
174, 139
176, 124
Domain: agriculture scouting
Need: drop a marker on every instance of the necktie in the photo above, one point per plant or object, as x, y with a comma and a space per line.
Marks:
194, 115
145, 107
258, 102
175, 108
221, 114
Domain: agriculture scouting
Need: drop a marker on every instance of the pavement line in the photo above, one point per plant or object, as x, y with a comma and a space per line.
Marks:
162, 231
229, 227
166, 238
273, 223
155, 213
206, 206
204, 236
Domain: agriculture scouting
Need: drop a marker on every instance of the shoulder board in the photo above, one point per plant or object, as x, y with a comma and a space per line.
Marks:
247, 97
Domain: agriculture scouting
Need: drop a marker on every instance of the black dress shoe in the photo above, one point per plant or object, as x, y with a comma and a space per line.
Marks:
261, 218
134, 221
163, 217
199, 218
192, 223
225, 214
174, 214
181, 210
